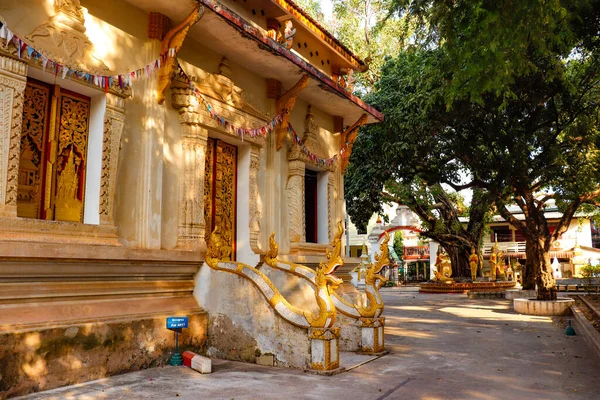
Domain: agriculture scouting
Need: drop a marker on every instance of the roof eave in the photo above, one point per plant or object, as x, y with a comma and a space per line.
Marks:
249, 30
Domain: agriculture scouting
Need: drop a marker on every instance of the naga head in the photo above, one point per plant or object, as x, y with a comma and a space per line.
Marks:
323, 279
273, 251
334, 257
213, 251
382, 259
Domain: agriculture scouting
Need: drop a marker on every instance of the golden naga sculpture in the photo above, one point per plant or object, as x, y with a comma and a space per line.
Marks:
325, 285
373, 280
334, 257
174, 40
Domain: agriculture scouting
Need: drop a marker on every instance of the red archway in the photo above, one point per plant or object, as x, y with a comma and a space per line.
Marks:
398, 228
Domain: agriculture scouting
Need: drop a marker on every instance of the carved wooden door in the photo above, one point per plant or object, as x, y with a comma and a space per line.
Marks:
53, 155
220, 192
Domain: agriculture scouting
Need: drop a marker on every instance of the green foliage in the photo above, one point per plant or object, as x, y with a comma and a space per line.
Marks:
399, 245
408, 159
502, 97
590, 274
489, 44
364, 26
313, 8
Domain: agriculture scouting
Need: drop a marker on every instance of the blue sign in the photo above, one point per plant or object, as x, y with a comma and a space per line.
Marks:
177, 322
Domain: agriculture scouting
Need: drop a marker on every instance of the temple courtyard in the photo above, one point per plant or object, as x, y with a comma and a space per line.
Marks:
442, 347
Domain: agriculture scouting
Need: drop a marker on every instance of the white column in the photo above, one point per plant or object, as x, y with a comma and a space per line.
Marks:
13, 78
295, 200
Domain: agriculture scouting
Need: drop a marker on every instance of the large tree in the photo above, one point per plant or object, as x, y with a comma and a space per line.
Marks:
520, 82
406, 160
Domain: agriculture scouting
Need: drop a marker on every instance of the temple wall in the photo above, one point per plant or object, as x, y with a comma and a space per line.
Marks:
32, 361
242, 326
102, 288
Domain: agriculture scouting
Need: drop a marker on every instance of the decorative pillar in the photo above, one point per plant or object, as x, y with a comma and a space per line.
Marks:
114, 121
13, 78
331, 206
149, 177
373, 335
254, 211
295, 197
191, 228
324, 349
194, 139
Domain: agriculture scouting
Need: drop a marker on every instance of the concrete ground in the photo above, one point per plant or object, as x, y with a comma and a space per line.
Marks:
443, 347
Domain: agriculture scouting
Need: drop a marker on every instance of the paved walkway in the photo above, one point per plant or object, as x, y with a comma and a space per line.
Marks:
443, 347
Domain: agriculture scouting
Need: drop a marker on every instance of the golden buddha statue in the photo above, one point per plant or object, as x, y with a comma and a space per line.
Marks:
443, 266
493, 261
473, 263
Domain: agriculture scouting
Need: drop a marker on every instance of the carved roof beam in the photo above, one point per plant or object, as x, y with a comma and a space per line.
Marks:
349, 137
174, 40
286, 104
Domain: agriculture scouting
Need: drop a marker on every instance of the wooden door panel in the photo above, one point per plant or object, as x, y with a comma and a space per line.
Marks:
36, 110
220, 193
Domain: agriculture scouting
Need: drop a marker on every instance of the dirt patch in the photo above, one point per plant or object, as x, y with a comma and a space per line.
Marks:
229, 341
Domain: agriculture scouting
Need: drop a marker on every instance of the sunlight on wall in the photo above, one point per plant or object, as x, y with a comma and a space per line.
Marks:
32, 341
35, 369
98, 36
49, 6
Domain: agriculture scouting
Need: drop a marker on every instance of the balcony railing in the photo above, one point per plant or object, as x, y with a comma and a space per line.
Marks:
506, 247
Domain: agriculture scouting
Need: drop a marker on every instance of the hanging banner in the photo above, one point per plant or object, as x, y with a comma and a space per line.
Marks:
25, 51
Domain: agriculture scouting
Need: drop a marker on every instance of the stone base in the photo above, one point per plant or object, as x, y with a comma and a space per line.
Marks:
373, 335
324, 349
464, 287
560, 306
42, 359
485, 295
512, 294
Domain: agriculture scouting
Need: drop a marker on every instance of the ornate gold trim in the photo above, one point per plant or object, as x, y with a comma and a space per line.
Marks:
286, 104
174, 40
349, 137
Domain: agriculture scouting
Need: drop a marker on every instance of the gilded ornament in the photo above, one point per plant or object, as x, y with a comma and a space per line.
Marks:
348, 138
323, 318
174, 40
285, 104
63, 39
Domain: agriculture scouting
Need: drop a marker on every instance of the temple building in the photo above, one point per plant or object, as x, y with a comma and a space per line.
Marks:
136, 137
575, 248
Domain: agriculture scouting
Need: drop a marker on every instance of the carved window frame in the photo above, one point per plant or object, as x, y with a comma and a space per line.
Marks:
13, 78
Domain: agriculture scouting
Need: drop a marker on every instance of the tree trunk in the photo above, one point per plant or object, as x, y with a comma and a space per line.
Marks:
529, 269
459, 256
539, 257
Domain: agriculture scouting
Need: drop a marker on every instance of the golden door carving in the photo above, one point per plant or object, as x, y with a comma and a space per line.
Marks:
54, 138
36, 110
220, 193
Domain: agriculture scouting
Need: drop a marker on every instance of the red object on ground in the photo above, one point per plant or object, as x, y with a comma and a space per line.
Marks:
187, 358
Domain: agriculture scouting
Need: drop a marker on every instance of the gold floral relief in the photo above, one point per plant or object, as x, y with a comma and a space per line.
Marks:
208, 186
220, 194
35, 121
225, 194
71, 157
74, 120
